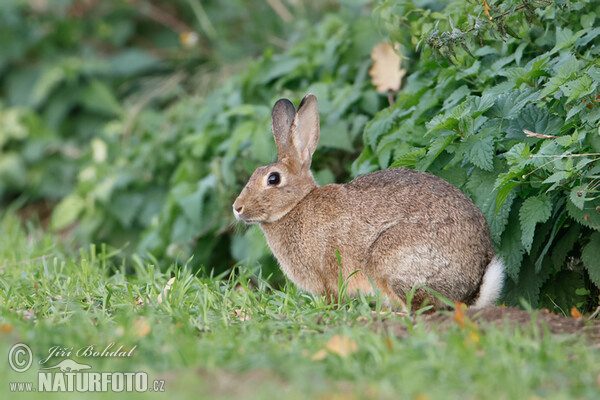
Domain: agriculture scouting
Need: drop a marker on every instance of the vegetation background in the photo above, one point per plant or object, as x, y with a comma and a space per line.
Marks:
136, 123
131, 126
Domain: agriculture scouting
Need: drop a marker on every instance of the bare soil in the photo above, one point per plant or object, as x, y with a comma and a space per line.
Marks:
507, 317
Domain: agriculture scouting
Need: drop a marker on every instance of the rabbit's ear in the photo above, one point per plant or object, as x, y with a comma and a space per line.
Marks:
305, 129
283, 117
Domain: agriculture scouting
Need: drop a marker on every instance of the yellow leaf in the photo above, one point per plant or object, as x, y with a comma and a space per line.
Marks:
386, 74
319, 355
575, 313
389, 344
486, 9
141, 327
6, 328
459, 315
343, 346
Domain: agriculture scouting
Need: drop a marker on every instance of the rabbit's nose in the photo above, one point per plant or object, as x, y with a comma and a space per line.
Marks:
238, 209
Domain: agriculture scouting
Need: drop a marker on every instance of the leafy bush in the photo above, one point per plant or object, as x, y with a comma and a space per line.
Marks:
175, 173
70, 67
502, 100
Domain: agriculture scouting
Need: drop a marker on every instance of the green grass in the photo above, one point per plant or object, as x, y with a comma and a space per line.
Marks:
198, 341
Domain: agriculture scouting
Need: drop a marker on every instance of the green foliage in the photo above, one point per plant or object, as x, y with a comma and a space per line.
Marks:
69, 68
507, 109
172, 176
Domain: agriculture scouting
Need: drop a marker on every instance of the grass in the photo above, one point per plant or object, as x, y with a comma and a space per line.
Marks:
226, 338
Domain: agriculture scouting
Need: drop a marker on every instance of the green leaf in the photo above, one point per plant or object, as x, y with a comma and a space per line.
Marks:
67, 211
336, 136
503, 192
589, 216
382, 124
409, 159
132, 61
481, 152
98, 97
435, 148
511, 249
126, 206
591, 258
536, 120
559, 292
564, 245
192, 205
579, 87
509, 105
577, 196
250, 246
527, 287
534, 210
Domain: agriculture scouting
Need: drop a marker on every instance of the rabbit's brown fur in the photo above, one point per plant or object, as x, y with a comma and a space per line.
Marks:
398, 226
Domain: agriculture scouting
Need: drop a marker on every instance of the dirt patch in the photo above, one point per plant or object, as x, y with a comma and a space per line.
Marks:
504, 317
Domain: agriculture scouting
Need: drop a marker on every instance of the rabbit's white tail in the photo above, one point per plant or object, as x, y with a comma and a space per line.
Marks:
493, 280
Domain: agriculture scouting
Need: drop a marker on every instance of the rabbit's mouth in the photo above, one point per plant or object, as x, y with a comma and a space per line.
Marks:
245, 219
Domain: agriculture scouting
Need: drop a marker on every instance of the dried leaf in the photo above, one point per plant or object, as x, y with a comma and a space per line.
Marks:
575, 313
141, 327
319, 355
240, 314
389, 344
6, 328
486, 9
386, 74
459, 314
341, 345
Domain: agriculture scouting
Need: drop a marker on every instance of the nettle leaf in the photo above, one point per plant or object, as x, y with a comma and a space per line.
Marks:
534, 210
578, 88
589, 216
591, 258
481, 187
497, 217
564, 245
509, 105
536, 120
449, 120
518, 155
481, 151
503, 192
409, 159
577, 196
481, 104
456, 96
435, 148
382, 124
527, 287
511, 249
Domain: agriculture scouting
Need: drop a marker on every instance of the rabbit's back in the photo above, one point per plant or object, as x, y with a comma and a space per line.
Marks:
398, 225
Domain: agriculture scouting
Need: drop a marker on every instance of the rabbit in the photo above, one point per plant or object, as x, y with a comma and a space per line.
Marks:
399, 227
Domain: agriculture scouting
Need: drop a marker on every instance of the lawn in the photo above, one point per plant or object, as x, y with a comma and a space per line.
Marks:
219, 337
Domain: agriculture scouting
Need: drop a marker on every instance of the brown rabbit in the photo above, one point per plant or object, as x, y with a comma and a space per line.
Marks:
398, 226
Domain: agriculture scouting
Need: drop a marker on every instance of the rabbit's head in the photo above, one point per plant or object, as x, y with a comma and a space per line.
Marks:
275, 189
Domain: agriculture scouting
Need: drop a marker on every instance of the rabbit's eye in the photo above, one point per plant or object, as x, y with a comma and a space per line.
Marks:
274, 178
